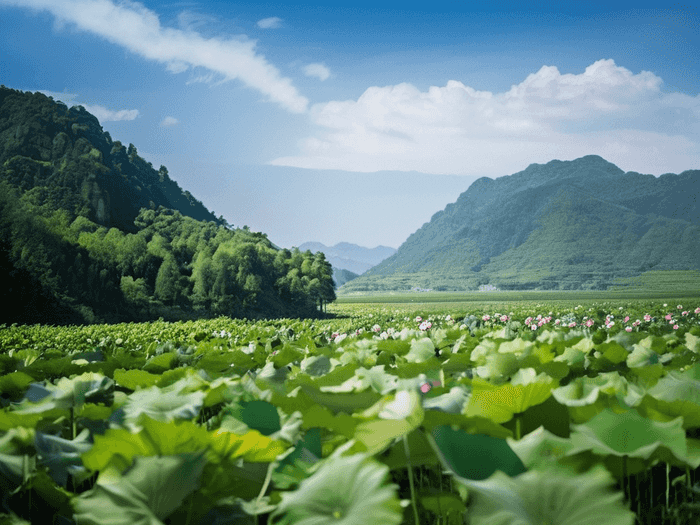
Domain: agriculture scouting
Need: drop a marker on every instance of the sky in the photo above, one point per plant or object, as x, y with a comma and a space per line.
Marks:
336, 121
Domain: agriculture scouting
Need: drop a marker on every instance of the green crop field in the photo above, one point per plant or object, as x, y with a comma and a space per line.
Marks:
450, 408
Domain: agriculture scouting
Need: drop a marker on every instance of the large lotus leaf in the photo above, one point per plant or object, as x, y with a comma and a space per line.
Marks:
677, 395
444, 504
147, 494
473, 456
163, 405
15, 383
10, 420
316, 365
395, 418
472, 425
15, 470
648, 352
692, 342
536, 497
452, 402
68, 393
252, 446
498, 366
420, 452
615, 435
500, 403
421, 350
341, 423
160, 363
342, 401
550, 414
348, 490
135, 379
62, 456
376, 378
539, 448
17, 441
517, 346
262, 416
118, 446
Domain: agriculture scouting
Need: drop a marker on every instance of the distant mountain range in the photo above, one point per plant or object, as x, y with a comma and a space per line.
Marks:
351, 257
577, 224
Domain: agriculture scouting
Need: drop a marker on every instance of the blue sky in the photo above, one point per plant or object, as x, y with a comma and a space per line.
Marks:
356, 122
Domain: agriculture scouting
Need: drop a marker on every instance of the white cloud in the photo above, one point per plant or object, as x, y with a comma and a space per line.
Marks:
317, 70
169, 121
138, 29
455, 129
270, 23
102, 113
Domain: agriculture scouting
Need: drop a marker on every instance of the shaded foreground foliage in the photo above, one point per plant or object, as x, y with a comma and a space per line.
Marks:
539, 414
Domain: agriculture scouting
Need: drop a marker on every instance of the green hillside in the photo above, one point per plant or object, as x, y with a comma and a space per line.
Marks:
578, 224
90, 232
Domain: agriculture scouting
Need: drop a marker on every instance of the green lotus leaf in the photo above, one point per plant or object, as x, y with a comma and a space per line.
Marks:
395, 418
452, 402
500, 403
344, 490
473, 456
62, 456
646, 353
135, 379
615, 435
316, 365
163, 405
160, 363
252, 446
445, 504
539, 448
118, 446
68, 393
15, 383
678, 395
552, 496
472, 425
420, 452
10, 420
498, 367
692, 342
342, 401
421, 350
147, 494
517, 346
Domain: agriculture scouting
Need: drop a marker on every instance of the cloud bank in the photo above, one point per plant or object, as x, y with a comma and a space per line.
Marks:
317, 70
138, 29
606, 110
102, 113
270, 23
169, 121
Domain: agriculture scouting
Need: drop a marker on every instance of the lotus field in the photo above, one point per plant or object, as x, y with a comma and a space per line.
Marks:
519, 413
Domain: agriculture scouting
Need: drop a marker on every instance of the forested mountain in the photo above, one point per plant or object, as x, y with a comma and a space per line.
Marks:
91, 232
577, 224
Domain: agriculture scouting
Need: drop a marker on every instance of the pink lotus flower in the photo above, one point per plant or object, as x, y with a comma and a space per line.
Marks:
486, 317
425, 325
627, 318
572, 324
419, 319
680, 307
647, 318
589, 323
668, 317
533, 327
628, 329
675, 327
697, 310
425, 387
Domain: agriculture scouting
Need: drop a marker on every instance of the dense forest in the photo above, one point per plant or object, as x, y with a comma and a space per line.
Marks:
91, 232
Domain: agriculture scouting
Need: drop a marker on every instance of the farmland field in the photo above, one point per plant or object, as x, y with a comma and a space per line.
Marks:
527, 407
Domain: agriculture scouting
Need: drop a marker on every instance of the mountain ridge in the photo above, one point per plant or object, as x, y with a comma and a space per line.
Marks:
464, 245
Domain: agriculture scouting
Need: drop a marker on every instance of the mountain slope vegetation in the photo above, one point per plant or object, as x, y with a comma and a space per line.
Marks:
577, 224
91, 232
